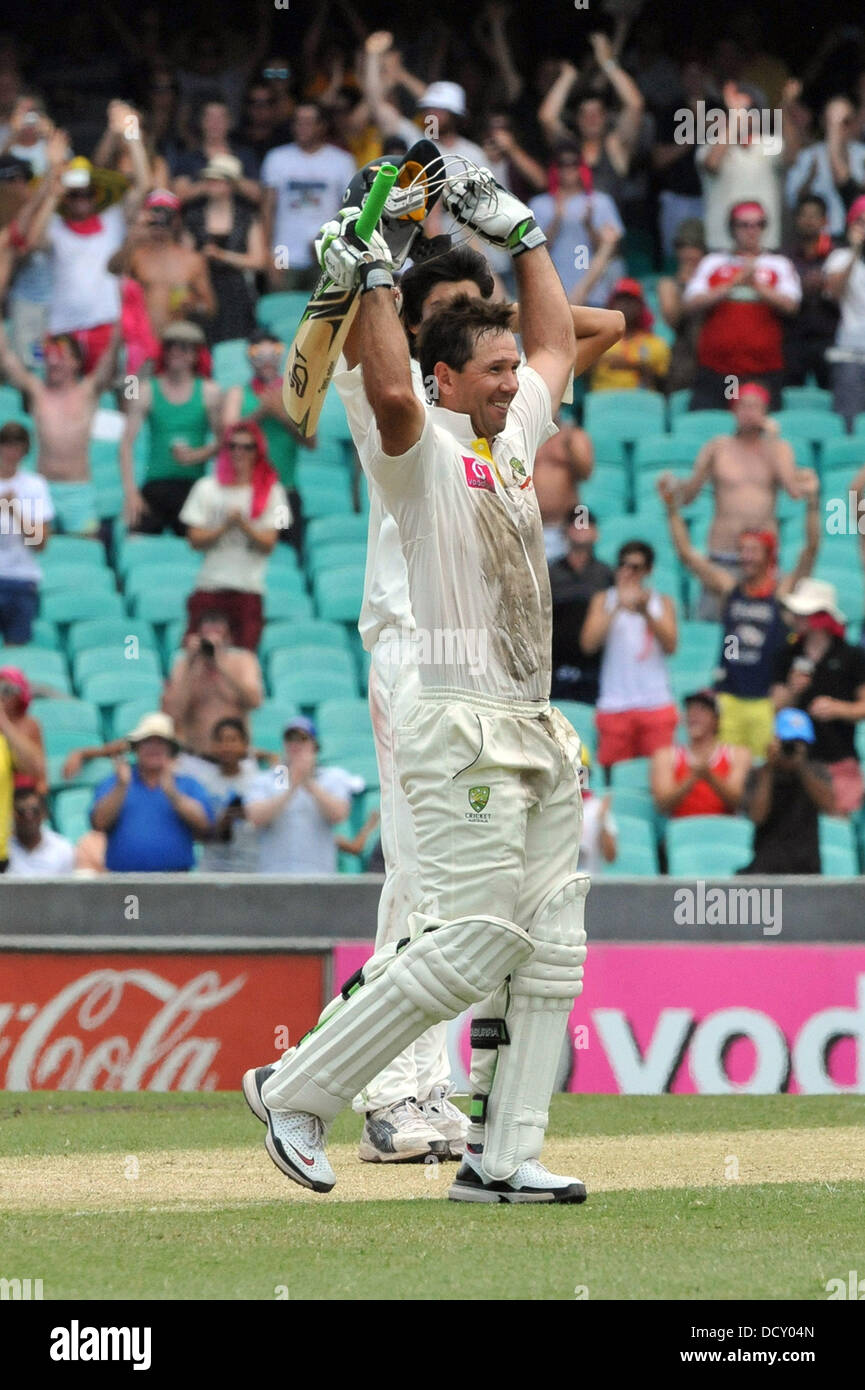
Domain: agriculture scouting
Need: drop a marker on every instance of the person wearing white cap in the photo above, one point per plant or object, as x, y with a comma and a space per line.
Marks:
820, 672
443, 109
151, 817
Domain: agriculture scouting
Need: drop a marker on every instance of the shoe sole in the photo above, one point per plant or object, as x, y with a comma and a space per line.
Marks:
286, 1167
252, 1097
574, 1195
420, 1156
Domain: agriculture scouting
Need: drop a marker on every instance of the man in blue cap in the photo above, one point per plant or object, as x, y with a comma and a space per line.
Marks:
295, 807
785, 798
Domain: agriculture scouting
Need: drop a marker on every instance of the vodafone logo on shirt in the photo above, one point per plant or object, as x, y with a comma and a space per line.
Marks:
478, 474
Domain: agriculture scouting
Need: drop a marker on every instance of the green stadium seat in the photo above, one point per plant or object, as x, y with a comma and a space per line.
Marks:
74, 550
816, 425
839, 862
141, 578
609, 448
43, 634
89, 776
65, 576
839, 853
708, 846
114, 660
336, 555
687, 678
268, 722
859, 424
159, 605
338, 594
67, 608
847, 453
79, 717
678, 402
806, 398
336, 718
606, 496
285, 580
636, 850
658, 452
614, 531
109, 688
41, 666
105, 632
360, 764
632, 413
330, 529
348, 748
335, 659
287, 604
230, 364
284, 636
632, 801
699, 426
332, 499
282, 311
71, 814
124, 717
308, 688
283, 557
698, 642
135, 551
10, 403
806, 452
632, 772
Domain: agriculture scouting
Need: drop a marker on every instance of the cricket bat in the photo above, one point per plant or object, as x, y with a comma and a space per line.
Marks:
328, 316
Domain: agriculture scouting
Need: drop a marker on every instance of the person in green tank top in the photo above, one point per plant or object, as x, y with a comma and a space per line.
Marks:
182, 408
261, 401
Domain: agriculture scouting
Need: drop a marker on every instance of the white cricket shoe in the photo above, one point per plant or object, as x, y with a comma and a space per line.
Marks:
294, 1139
530, 1183
399, 1133
449, 1122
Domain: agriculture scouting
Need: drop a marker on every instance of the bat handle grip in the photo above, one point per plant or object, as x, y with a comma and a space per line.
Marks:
374, 202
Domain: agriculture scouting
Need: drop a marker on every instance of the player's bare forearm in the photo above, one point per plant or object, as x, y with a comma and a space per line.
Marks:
546, 321
386, 367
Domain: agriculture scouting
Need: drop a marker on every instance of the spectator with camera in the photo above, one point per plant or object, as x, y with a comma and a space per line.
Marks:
35, 850
150, 815
296, 805
228, 776
820, 672
211, 681
785, 799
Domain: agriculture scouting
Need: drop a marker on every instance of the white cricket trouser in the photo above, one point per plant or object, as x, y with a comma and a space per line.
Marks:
393, 690
494, 790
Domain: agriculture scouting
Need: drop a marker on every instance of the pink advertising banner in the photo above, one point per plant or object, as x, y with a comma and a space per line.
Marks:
705, 1019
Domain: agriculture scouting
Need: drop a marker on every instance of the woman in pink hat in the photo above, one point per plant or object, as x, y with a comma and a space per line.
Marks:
15, 697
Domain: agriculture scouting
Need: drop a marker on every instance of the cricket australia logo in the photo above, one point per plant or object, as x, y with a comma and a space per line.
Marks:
478, 798
518, 467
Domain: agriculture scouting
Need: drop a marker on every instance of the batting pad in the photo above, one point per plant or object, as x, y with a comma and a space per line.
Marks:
445, 968
541, 994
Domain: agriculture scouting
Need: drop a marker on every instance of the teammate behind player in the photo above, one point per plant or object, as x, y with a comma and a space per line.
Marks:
457, 478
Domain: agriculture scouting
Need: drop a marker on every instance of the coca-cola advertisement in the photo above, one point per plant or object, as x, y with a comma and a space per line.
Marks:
135, 1022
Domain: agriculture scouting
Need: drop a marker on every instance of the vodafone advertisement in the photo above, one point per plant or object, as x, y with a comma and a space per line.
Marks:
706, 1019
149, 1022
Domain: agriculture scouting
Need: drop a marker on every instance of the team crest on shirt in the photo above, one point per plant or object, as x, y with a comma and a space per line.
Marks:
518, 467
478, 474
478, 798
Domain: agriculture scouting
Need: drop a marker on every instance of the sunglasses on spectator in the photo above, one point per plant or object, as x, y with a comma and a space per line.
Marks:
637, 565
237, 447
748, 222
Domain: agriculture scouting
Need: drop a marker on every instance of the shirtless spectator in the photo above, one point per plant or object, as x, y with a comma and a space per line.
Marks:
63, 407
745, 294
745, 469
209, 682
561, 464
82, 231
175, 279
182, 410
705, 777
754, 630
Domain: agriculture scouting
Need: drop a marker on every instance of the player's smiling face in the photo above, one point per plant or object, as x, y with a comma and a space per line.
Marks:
487, 384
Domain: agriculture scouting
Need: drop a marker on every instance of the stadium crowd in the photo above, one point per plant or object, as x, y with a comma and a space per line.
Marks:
181, 679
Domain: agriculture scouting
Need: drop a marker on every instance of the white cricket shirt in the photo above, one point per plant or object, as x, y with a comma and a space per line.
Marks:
472, 538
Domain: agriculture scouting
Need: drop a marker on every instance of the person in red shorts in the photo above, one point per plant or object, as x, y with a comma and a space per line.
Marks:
235, 518
746, 295
636, 627
705, 777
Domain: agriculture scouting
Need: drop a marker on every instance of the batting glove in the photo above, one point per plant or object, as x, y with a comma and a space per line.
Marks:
341, 253
494, 213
